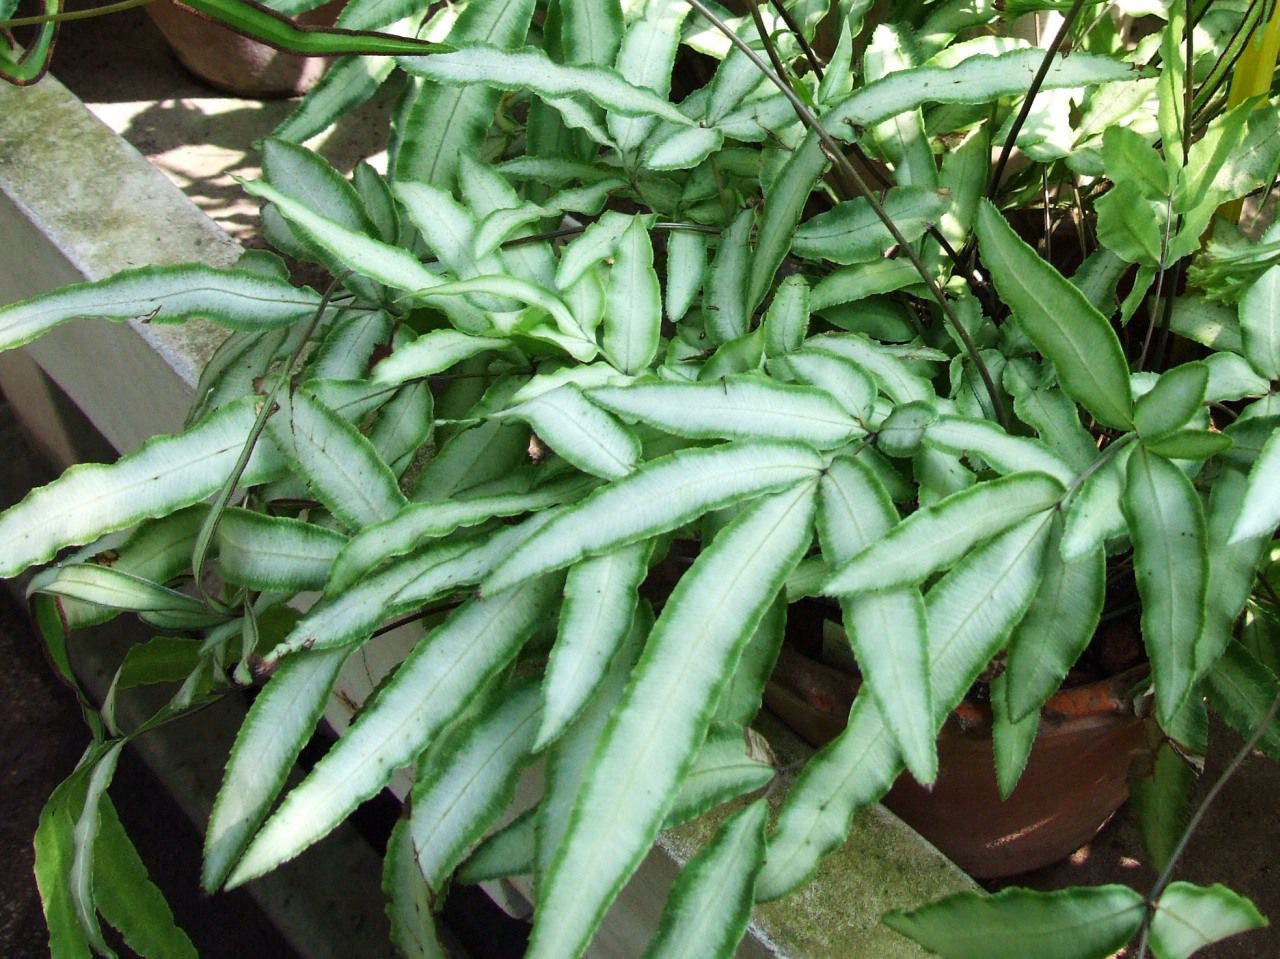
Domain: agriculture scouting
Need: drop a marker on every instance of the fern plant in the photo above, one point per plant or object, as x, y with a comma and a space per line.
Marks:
754, 297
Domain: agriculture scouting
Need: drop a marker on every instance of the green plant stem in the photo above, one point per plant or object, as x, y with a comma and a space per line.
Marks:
1104, 457
64, 16
1080, 218
210, 526
1157, 890
1048, 214
1028, 101
1166, 317
859, 186
1161, 319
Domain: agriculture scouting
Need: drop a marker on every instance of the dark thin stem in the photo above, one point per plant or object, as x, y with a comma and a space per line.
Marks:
1161, 357
669, 227
415, 617
1187, 79
1223, 410
1102, 15
1029, 100
1158, 320
1269, 589
1048, 214
771, 49
1237, 761
1068, 213
814, 63
66, 16
1253, 225
1230, 54
854, 180
164, 717
1104, 457
1123, 611
1079, 218
765, 39
883, 181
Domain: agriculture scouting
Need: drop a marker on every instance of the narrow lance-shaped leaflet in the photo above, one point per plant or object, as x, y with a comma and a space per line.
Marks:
425, 694
887, 628
651, 741
659, 496
970, 612
1064, 326
709, 905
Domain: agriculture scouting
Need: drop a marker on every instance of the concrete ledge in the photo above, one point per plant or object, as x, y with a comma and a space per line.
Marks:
77, 202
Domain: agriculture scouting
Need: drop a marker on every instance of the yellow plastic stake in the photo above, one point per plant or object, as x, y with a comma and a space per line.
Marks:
1252, 77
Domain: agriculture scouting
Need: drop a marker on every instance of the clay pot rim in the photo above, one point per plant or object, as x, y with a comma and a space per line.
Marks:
1070, 707
1068, 710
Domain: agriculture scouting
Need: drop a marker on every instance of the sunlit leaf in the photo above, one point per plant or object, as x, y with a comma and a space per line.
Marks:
1260, 513
280, 722
734, 407
853, 233
1171, 403
531, 69
659, 496
580, 431
409, 900
970, 613
937, 536
274, 552
424, 695
441, 122
508, 851
887, 629
238, 299
598, 611
163, 475
340, 465
633, 314
724, 305
1056, 629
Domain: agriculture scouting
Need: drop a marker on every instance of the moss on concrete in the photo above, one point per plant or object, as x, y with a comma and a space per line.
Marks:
884, 865
102, 206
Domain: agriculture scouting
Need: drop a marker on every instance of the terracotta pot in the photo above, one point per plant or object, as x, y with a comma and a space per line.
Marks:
236, 64
1076, 778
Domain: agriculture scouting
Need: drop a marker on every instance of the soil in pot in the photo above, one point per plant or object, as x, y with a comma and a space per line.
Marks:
1075, 780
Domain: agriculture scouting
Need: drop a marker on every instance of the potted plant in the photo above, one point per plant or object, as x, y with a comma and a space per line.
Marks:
237, 63
917, 334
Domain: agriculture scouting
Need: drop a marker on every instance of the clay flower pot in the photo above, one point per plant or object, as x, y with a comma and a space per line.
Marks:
237, 64
1076, 778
